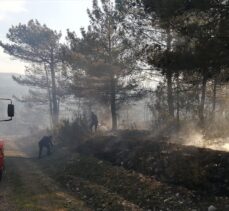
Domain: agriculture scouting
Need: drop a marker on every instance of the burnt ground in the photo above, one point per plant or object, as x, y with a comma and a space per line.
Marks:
200, 169
125, 171
200, 173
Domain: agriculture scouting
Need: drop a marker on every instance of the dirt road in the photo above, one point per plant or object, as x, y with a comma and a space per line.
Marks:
25, 187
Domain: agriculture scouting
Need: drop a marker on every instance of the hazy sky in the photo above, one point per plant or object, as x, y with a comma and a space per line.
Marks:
56, 14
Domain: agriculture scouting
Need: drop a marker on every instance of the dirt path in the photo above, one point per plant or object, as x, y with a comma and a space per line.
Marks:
25, 187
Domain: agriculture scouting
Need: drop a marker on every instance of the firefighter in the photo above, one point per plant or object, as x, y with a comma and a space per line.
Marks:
94, 122
45, 142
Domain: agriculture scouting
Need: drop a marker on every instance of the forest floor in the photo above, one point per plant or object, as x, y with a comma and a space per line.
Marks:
114, 173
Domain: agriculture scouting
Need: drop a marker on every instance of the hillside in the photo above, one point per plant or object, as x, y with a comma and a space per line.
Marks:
26, 118
8, 87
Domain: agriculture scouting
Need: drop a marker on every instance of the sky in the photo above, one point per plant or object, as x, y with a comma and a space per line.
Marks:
59, 15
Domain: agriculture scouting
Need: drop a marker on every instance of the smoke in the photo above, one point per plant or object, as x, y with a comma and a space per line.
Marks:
192, 136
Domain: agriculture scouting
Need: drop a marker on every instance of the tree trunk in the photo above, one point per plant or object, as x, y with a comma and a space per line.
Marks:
170, 94
178, 101
169, 75
113, 104
49, 97
55, 111
202, 101
112, 82
214, 96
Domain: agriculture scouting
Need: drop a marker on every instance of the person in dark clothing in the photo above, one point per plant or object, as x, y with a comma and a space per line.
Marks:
46, 142
94, 122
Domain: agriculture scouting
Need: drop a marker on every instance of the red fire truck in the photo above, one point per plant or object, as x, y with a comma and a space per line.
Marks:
10, 112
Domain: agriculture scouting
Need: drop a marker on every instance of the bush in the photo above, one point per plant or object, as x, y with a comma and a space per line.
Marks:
68, 132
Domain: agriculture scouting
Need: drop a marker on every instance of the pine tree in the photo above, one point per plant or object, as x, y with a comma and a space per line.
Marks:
107, 58
37, 45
